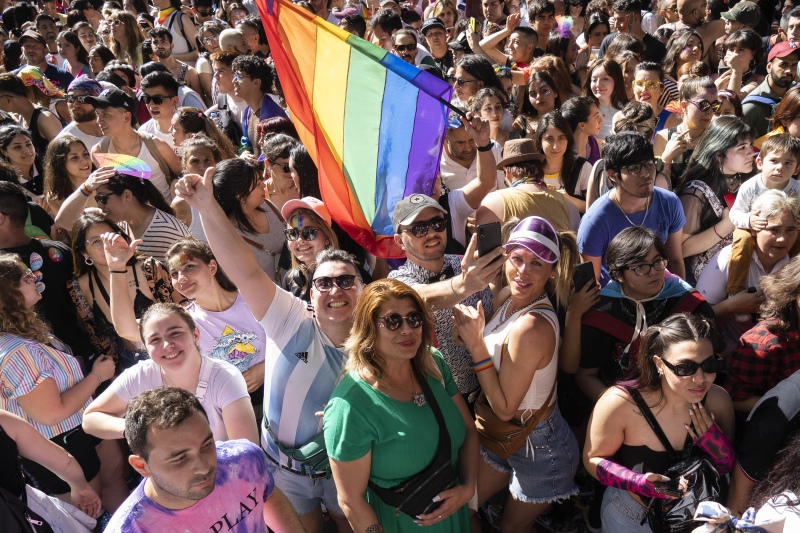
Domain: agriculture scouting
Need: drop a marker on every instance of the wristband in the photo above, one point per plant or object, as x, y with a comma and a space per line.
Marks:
486, 148
95, 375
85, 190
453, 288
717, 446
714, 227
615, 475
118, 271
483, 365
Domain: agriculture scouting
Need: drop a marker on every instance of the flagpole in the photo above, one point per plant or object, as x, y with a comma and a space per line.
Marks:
454, 109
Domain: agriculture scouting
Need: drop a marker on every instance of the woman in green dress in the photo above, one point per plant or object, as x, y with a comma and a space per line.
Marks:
380, 428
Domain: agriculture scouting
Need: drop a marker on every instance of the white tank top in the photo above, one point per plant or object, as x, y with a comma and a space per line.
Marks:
157, 177
495, 335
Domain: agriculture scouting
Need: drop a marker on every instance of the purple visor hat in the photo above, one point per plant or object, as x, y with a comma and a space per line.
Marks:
537, 235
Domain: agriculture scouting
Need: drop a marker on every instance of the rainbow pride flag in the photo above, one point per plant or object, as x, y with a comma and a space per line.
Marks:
370, 121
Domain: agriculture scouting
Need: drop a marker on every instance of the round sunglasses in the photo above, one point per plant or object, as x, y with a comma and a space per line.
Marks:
308, 234
326, 283
394, 321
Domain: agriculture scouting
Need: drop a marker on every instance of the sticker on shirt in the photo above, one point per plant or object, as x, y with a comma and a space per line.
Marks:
36, 261
55, 254
39, 285
235, 347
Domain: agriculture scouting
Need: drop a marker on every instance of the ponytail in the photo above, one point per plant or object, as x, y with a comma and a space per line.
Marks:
568, 250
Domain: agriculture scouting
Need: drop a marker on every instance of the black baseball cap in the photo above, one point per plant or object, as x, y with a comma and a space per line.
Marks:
433, 22
111, 98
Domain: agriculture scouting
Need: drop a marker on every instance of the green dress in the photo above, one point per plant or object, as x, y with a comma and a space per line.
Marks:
403, 439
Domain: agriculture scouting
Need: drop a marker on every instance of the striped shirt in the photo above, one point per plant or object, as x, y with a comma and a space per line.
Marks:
25, 364
302, 368
162, 232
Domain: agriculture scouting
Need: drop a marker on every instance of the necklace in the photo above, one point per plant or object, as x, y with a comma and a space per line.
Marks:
646, 210
535, 180
417, 398
505, 315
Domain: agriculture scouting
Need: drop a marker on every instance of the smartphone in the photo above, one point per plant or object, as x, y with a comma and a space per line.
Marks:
489, 237
584, 273
472, 24
723, 69
670, 488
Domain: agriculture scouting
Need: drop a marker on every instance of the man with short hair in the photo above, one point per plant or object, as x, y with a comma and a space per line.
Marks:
628, 19
84, 117
757, 107
383, 24
115, 118
459, 162
305, 356
542, 16
253, 30
793, 27
435, 35
160, 93
228, 112
181, 27
405, 46
743, 16
183, 72
252, 82
191, 483
46, 27
630, 164
43, 124
34, 49
203, 11
231, 40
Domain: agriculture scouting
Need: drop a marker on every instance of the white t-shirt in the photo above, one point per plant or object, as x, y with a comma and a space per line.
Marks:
455, 176
459, 211
747, 194
151, 127
233, 335
72, 129
225, 386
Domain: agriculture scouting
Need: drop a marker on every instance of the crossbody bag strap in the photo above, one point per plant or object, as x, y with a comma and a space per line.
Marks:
652, 422
205, 375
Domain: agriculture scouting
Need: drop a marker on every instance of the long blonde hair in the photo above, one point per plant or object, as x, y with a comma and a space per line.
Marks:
360, 345
15, 317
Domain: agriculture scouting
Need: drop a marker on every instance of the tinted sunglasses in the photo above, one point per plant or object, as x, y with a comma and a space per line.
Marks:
406, 47
71, 98
158, 100
308, 234
204, 13
102, 198
705, 106
712, 365
461, 81
420, 229
282, 166
208, 40
326, 283
394, 321
649, 85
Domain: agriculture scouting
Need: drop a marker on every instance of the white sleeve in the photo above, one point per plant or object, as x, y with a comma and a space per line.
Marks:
740, 211
284, 316
582, 185
135, 380
226, 384
459, 211
498, 155
713, 282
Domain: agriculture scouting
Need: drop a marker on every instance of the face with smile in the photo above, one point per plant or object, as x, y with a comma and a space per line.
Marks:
401, 344
306, 251
79, 163
689, 388
427, 248
112, 120
182, 463
336, 305
87, 37
526, 273
602, 85
647, 286
521, 50
190, 275
20, 151
169, 341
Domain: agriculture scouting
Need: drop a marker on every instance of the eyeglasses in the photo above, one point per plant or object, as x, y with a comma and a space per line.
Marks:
705, 106
644, 270
209, 40
394, 321
158, 100
115, 22
238, 76
326, 283
71, 98
712, 365
28, 277
308, 234
420, 229
649, 85
406, 47
101, 198
283, 166
637, 168
96, 243
461, 81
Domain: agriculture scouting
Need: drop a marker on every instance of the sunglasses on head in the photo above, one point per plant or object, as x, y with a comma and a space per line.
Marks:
406, 47
326, 283
420, 229
308, 234
712, 365
394, 321
282, 166
705, 106
158, 100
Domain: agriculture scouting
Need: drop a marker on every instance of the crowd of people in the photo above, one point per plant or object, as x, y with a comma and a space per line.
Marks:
203, 348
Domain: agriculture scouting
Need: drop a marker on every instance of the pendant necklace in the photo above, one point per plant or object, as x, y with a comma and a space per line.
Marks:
646, 210
504, 315
417, 398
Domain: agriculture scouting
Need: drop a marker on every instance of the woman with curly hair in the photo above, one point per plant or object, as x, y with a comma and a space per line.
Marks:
490, 104
189, 120
685, 46
127, 38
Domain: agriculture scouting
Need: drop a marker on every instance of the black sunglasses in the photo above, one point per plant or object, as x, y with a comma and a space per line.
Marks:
420, 229
102, 198
70, 98
158, 100
326, 283
712, 365
283, 166
308, 234
394, 321
406, 47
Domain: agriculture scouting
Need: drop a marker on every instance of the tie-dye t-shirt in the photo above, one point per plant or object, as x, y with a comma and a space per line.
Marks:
242, 485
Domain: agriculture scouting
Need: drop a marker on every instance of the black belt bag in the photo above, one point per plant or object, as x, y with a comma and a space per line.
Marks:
414, 496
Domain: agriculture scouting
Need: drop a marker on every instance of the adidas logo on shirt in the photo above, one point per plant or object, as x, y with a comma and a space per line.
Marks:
303, 356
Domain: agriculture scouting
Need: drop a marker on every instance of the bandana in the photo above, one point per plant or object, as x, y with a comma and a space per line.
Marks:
32, 76
163, 14
86, 84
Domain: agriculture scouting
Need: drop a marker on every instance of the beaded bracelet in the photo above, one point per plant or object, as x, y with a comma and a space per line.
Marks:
483, 365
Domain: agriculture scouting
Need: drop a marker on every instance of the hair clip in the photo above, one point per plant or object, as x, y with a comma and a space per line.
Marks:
502, 69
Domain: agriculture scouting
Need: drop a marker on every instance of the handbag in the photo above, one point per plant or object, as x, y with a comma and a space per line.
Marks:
704, 483
504, 437
414, 496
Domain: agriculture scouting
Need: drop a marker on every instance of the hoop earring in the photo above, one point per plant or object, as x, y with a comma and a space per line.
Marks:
88, 261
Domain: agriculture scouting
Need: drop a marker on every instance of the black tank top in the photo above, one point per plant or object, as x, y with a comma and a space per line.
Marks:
39, 142
103, 326
642, 459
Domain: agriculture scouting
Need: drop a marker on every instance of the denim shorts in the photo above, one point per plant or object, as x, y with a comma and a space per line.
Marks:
622, 514
306, 493
543, 470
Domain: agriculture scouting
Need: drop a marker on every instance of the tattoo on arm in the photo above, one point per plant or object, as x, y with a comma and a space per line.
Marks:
374, 528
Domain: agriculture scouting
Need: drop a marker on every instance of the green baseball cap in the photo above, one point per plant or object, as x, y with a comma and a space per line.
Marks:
746, 12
